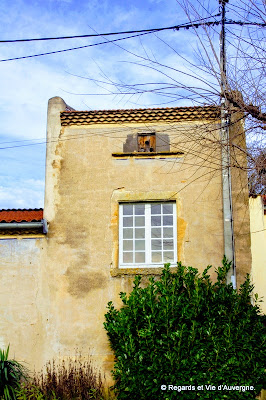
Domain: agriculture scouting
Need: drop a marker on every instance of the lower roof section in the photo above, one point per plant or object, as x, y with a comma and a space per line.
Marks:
21, 215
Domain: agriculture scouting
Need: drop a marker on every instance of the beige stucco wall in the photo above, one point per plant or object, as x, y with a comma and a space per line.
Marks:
22, 323
258, 248
73, 270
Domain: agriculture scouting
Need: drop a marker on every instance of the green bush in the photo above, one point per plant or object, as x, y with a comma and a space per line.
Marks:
11, 374
29, 391
185, 331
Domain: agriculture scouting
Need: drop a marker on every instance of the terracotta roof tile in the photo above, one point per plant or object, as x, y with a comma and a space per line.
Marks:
21, 215
139, 115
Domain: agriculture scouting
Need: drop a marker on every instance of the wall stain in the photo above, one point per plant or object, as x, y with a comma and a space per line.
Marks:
56, 164
81, 282
58, 147
181, 231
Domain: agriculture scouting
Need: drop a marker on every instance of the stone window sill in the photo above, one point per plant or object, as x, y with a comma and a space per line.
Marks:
163, 154
116, 272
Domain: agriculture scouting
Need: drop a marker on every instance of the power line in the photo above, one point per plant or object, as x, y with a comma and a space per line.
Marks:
84, 36
243, 23
104, 34
183, 26
186, 26
87, 36
195, 24
74, 48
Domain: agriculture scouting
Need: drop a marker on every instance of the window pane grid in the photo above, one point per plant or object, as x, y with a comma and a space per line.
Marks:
162, 249
147, 233
134, 250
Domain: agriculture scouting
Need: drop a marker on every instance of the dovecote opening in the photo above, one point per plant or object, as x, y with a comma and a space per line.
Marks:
147, 142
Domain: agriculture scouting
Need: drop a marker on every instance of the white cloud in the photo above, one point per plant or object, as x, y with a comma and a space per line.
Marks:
22, 194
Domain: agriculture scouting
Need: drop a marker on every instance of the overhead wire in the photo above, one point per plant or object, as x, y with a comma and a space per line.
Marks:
136, 34
105, 34
194, 24
74, 48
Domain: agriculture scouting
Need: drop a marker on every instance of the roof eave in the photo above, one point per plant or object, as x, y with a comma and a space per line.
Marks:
25, 225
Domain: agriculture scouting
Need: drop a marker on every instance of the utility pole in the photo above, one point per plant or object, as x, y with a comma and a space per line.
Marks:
229, 248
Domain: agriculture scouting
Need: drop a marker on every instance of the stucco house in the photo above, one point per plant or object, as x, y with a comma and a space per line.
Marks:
126, 191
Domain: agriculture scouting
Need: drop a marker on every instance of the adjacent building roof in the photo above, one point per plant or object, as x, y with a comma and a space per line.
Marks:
21, 215
173, 114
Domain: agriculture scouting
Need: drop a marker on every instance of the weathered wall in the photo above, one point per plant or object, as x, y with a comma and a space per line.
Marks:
22, 323
240, 197
258, 248
73, 271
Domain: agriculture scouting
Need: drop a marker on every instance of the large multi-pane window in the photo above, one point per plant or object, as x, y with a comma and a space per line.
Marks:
147, 234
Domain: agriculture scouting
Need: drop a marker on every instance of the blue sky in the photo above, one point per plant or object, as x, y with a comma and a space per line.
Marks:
27, 85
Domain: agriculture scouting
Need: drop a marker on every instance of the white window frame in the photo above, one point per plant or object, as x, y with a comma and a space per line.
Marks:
148, 253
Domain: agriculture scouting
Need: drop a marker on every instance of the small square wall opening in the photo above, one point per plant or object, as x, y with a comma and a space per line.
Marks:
147, 142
